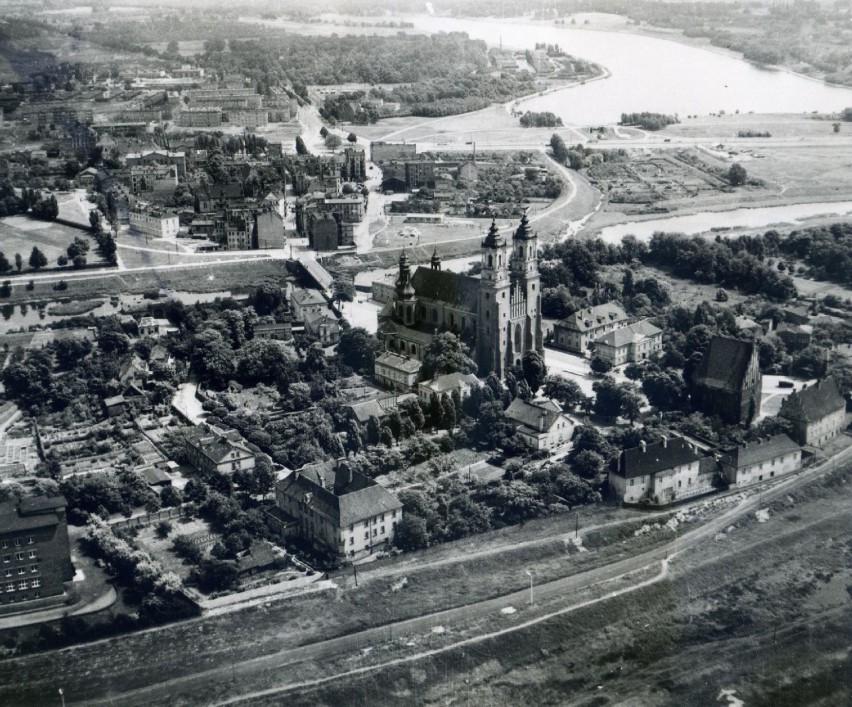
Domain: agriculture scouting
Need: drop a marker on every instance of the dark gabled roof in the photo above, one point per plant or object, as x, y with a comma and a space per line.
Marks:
631, 333
724, 364
330, 489
34, 505
655, 458
458, 290
814, 402
155, 476
757, 452
537, 417
30, 513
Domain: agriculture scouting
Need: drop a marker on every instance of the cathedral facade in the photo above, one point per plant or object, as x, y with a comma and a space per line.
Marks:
498, 314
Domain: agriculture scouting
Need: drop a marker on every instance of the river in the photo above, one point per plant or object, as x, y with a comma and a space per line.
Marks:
763, 217
650, 74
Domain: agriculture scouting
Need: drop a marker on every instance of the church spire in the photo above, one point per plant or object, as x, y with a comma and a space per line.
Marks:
524, 232
436, 260
493, 239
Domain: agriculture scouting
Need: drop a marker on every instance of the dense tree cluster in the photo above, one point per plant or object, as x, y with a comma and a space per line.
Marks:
648, 121
545, 119
827, 250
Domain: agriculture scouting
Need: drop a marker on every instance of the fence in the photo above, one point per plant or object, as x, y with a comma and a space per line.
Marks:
146, 518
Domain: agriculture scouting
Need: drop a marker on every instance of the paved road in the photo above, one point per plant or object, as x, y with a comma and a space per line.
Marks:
349, 644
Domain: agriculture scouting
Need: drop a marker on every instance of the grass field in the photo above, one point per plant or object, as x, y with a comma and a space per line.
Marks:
19, 234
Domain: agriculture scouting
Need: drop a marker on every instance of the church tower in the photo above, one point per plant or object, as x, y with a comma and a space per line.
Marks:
405, 302
494, 304
526, 284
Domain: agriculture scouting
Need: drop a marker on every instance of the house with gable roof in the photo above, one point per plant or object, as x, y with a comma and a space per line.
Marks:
338, 510
210, 449
751, 462
818, 413
630, 344
541, 424
662, 473
578, 332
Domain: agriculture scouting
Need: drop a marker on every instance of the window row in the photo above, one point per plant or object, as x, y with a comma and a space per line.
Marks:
19, 556
17, 542
23, 585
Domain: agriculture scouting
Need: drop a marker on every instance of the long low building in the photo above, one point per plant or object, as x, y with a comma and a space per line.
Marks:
758, 461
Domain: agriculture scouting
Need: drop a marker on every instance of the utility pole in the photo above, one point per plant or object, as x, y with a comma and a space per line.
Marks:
531, 587
355, 573
576, 525
62, 696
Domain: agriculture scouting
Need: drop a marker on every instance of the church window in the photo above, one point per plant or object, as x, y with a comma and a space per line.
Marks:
504, 295
490, 261
487, 314
414, 349
487, 295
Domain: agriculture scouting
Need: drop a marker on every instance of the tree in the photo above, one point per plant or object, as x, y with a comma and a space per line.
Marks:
37, 260
352, 137
609, 398
634, 371
448, 412
517, 501
587, 464
563, 390
737, 175
344, 290
323, 132
5, 265
19, 262
411, 532
6, 289
301, 148
262, 361
95, 220
445, 353
357, 348
559, 149
332, 141
600, 366
534, 370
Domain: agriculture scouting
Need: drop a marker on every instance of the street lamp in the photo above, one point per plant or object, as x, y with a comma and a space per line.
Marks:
62, 696
531, 587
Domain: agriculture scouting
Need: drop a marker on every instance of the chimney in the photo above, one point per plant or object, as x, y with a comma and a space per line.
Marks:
542, 415
643, 446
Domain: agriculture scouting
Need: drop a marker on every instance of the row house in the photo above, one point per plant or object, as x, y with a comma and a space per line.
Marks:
396, 371
202, 117
158, 157
541, 424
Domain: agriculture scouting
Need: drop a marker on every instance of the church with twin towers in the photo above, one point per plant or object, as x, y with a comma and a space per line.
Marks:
498, 314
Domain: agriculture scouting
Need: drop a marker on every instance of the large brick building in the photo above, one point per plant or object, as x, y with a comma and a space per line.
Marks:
36, 558
727, 381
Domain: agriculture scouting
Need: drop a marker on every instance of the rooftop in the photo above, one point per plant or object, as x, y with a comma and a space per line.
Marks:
757, 452
650, 459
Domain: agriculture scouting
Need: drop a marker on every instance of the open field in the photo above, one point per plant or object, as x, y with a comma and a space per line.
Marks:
18, 234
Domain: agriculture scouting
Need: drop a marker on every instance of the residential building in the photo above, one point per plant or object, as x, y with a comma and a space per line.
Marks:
248, 117
818, 413
630, 344
756, 461
353, 164
155, 328
210, 449
115, 405
158, 157
396, 371
305, 301
154, 222
34, 549
202, 117
323, 232
339, 510
500, 310
578, 332
269, 228
662, 473
323, 326
727, 381
380, 408
239, 231
447, 384
541, 423
278, 331
159, 178
794, 336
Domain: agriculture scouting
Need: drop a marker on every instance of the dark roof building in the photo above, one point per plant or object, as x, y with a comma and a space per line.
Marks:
339, 510
727, 381
818, 413
755, 461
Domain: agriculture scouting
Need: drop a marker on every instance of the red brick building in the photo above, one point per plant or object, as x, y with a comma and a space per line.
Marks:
35, 556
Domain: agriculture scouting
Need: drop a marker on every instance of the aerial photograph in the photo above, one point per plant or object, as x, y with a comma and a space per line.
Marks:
366, 353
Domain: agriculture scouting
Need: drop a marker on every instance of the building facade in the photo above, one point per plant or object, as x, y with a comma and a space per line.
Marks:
210, 450
727, 381
818, 413
756, 461
34, 547
155, 222
396, 371
338, 510
630, 344
578, 332
500, 311
662, 473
